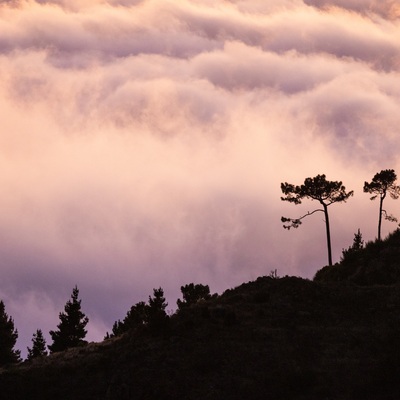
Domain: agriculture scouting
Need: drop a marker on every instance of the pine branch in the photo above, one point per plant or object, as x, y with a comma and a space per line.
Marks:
296, 222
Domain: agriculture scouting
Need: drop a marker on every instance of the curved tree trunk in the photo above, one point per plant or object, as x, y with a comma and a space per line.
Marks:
328, 234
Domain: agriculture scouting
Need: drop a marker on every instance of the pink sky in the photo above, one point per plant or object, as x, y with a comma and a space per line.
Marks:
143, 144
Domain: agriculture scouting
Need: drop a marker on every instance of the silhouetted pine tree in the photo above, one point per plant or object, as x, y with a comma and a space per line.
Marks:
358, 244
38, 346
117, 329
383, 183
157, 305
192, 293
71, 329
152, 314
157, 316
8, 338
136, 316
317, 189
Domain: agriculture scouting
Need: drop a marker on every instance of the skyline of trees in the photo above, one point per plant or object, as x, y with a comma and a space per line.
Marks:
74, 320
329, 192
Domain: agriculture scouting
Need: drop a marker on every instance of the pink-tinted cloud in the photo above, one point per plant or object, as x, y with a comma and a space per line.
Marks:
388, 9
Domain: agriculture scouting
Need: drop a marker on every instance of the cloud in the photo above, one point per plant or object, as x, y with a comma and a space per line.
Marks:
143, 143
388, 9
352, 110
238, 66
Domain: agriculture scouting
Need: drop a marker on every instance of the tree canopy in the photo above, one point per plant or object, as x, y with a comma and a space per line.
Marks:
38, 346
71, 330
358, 244
192, 293
319, 189
383, 183
152, 314
8, 338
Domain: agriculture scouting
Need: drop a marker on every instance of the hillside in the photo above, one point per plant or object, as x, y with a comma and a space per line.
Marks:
376, 263
286, 338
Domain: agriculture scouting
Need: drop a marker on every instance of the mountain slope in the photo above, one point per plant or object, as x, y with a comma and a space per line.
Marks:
271, 338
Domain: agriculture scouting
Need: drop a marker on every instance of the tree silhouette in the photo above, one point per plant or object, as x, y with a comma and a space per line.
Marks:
383, 183
136, 316
319, 189
152, 315
192, 293
38, 346
71, 329
8, 338
156, 309
358, 244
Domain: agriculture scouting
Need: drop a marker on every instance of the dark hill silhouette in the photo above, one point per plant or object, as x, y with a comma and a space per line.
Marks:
285, 338
376, 264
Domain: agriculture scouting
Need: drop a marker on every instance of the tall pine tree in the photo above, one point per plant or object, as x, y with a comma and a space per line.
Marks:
38, 346
317, 189
71, 330
382, 184
8, 338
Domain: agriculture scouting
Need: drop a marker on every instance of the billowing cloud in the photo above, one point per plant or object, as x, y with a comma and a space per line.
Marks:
388, 9
143, 143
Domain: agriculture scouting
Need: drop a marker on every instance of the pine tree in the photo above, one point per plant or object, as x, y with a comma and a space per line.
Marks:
152, 315
358, 244
157, 305
192, 293
71, 330
8, 338
135, 317
39, 346
383, 183
157, 316
317, 189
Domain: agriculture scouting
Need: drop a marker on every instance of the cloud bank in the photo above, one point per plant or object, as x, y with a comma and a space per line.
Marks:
143, 143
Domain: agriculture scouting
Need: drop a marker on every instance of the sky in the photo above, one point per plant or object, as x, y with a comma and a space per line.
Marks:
143, 143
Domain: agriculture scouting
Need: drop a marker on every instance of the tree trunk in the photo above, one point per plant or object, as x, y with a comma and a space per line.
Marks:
328, 234
380, 215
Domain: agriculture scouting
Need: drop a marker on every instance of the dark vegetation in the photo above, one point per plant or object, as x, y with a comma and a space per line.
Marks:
71, 329
192, 294
38, 346
8, 338
336, 337
152, 315
275, 338
376, 263
383, 183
